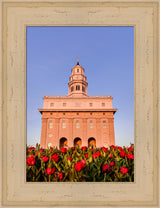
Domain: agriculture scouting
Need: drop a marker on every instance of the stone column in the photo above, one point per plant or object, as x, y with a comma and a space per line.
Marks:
56, 129
70, 138
111, 131
98, 133
43, 133
85, 139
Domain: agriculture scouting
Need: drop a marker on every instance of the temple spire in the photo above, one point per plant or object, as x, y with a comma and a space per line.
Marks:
77, 61
77, 83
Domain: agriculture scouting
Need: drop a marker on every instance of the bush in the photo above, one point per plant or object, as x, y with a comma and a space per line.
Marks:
80, 164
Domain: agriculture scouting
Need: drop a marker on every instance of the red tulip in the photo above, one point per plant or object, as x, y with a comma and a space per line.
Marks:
55, 157
31, 148
60, 175
112, 163
130, 149
69, 158
122, 153
31, 160
45, 159
113, 147
124, 170
63, 150
120, 148
105, 168
104, 149
41, 150
86, 155
96, 154
130, 156
50, 171
83, 164
78, 166
84, 148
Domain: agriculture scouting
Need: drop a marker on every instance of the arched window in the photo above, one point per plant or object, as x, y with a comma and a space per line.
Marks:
91, 142
83, 89
104, 124
77, 125
77, 87
77, 142
63, 124
77, 70
63, 142
50, 124
91, 124
72, 88
103, 104
51, 104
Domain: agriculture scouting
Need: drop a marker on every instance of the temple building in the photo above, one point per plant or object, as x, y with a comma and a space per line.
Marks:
77, 119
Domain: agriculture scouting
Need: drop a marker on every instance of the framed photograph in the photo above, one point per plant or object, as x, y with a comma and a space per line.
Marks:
77, 136
62, 144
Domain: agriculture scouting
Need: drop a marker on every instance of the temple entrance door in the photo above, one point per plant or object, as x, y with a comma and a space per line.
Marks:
77, 142
63, 143
92, 142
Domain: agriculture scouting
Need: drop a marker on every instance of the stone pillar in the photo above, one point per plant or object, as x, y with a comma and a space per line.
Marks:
84, 139
111, 131
98, 133
70, 139
43, 133
56, 129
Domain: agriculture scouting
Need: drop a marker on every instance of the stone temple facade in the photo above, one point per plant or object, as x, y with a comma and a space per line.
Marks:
77, 119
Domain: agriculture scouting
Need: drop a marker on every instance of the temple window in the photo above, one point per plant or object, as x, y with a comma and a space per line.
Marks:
90, 104
91, 124
63, 124
64, 104
77, 87
77, 125
103, 104
72, 88
83, 88
51, 104
104, 124
50, 124
50, 135
77, 70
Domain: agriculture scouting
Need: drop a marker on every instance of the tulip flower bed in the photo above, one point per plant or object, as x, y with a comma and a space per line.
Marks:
80, 164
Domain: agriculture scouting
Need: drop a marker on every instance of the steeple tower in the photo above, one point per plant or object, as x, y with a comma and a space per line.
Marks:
77, 84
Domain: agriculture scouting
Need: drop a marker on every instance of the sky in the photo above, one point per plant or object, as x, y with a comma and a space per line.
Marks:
106, 53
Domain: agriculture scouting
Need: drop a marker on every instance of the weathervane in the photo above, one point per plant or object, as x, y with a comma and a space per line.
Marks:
77, 61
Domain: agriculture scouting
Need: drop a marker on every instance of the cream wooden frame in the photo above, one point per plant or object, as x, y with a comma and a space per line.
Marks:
16, 15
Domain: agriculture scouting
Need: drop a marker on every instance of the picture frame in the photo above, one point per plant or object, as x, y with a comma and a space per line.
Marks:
16, 16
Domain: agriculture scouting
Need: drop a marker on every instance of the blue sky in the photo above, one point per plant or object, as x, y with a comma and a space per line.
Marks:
106, 53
